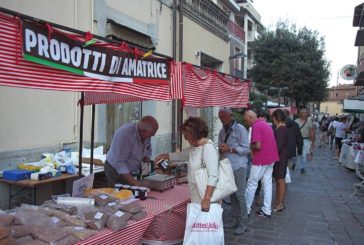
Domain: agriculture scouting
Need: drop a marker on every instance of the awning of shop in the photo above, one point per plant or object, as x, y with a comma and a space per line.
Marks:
354, 104
358, 19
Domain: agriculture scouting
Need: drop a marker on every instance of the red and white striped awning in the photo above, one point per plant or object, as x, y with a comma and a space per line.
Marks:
18, 72
204, 88
194, 86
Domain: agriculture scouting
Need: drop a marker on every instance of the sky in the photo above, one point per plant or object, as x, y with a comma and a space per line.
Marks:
333, 19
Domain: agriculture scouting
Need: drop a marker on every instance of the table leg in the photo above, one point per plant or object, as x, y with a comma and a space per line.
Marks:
10, 196
35, 195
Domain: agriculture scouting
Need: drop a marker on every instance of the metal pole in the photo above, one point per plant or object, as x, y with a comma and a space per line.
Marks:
180, 58
92, 138
81, 134
174, 50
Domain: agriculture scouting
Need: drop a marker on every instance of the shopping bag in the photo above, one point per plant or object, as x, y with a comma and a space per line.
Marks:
204, 227
288, 177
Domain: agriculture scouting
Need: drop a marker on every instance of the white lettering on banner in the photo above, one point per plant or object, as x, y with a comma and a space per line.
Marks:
76, 54
43, 46
65, 53
30, 40
55, 50
96, 61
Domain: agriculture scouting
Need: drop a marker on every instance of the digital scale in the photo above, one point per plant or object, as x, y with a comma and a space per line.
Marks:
159, 182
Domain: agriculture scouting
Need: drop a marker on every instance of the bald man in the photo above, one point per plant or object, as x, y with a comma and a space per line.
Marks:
264, 155
130, 147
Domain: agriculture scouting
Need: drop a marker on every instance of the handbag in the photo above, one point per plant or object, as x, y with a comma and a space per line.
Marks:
225, 185
204, 227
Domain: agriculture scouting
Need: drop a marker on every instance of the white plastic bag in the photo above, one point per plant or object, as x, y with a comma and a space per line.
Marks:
288, 177
204, 227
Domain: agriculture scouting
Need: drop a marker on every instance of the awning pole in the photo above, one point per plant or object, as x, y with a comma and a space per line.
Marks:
81, 134
92, 138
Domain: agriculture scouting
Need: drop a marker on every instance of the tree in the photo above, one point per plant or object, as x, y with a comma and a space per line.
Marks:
287, 57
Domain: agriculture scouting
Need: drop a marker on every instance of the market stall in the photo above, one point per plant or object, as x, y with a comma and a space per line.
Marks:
31, 57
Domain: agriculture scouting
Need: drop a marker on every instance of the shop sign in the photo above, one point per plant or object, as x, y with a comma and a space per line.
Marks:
59, 50
349, 72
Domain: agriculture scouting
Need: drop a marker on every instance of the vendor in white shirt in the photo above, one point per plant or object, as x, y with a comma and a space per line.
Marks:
341, 128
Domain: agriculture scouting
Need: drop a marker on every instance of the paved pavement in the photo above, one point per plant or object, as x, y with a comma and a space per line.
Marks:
320, 209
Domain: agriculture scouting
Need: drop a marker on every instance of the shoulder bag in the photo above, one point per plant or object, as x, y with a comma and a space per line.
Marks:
226, 183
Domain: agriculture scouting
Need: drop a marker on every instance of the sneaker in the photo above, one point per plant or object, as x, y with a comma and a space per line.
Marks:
231, 224
241, 229
302, 171
262, 214
293, 167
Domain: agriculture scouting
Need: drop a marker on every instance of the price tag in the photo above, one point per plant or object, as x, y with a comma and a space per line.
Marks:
111, 204
104, 197
55, 220
119, 214
98, 215
78, 228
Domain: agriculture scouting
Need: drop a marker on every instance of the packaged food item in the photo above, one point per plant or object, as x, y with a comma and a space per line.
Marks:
75, 201
118, 220
19, 230
8, 241
123, 195
139, 216
68, 240
6, 219
103, 199
4, 232
24, 240
80, 232
96, 220
132, 208
92, 192
36, 242
118, 187
143, 193
49, 235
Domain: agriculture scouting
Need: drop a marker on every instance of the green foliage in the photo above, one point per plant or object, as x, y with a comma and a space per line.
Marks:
287, 57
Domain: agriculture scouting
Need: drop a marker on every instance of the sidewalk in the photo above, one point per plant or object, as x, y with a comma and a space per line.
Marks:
320, 209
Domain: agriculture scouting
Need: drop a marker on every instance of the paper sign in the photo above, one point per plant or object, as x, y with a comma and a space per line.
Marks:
98, 215
104, 197
78, 228
119, 214
111, 204
79, 186
55, 220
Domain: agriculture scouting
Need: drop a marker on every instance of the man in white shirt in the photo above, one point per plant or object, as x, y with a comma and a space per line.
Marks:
341, 128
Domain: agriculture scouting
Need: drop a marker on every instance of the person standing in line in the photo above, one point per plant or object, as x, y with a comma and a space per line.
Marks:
324, 124
265, 154
308, 135
295, 141
234, 144
280, 167
331, 131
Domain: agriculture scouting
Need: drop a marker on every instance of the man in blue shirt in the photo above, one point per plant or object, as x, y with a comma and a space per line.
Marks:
234, 144
130, 147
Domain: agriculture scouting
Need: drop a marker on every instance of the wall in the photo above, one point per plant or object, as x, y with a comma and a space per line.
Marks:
331, 107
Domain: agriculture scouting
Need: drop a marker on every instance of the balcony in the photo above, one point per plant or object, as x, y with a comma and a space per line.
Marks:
208, 15
236, 30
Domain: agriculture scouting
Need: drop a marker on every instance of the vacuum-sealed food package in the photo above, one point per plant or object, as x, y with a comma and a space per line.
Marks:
19, 230
118, 220
80, 232
96, 220
132, 208
139, 216
6, 219
49, 235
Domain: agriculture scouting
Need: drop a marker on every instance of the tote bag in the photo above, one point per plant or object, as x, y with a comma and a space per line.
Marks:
225, 185
204, 227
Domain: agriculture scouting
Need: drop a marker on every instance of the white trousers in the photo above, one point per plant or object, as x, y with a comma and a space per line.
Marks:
263, 173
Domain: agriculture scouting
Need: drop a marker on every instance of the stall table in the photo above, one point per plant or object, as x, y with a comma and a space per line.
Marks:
159, 204
35, 184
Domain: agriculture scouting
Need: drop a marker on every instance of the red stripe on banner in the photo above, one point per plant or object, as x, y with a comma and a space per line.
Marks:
152, 82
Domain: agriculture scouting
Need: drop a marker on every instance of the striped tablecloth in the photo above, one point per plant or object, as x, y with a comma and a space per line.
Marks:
164, 212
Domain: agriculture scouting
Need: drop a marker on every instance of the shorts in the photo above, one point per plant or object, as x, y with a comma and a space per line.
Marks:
280, 170
338, 142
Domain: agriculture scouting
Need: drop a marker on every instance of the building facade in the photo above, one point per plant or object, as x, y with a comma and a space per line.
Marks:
334, 103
